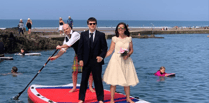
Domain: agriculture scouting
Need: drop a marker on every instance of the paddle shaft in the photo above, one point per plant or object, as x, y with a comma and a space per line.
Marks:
34, 76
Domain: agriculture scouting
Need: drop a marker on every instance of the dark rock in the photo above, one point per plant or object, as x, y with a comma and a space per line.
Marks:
13, 41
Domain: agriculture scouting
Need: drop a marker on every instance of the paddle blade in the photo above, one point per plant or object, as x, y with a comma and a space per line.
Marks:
16, 97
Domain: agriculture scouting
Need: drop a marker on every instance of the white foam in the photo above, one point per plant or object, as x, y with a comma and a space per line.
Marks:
2, 28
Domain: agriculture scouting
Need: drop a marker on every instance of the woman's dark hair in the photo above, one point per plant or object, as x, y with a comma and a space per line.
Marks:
14, 68
126, 32
92, 19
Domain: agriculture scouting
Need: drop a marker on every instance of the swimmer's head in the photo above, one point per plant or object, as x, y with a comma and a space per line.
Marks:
22, 50
14, 69
162, 69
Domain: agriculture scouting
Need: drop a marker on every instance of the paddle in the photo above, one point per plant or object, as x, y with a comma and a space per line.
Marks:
17, 96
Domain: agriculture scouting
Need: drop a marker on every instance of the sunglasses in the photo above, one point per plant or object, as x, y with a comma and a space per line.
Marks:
121, 28
92, 23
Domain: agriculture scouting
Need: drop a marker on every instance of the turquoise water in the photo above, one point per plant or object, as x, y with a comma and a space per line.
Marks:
183, 54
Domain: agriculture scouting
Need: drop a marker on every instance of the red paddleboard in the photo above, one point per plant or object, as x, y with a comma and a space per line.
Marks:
61, 94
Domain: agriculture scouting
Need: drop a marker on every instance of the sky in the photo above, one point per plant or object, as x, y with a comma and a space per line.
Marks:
174, 10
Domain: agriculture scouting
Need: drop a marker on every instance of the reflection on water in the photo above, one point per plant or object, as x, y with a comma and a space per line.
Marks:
183, 54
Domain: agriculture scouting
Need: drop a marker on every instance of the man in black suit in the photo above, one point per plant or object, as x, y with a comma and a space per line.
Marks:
92, 49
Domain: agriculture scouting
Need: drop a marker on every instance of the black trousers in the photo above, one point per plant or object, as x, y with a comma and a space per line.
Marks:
71, 26
21, 30
96, 70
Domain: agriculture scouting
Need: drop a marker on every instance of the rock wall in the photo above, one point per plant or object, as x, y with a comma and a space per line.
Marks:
13, 41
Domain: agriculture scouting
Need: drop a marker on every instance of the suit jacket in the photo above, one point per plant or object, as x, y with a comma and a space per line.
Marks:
99, 47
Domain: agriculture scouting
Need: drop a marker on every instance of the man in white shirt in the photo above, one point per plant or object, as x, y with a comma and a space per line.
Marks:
72, 40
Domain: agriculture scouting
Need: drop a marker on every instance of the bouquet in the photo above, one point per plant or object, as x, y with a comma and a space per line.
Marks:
123, 52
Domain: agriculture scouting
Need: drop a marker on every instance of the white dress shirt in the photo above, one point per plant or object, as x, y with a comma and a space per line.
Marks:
75, 36
93, 34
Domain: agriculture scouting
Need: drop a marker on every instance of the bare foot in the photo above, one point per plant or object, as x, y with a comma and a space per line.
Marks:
91, 89
130, 101
72, 90
80, 101
100, 101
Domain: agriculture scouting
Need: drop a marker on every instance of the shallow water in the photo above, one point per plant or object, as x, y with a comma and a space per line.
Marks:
183, 54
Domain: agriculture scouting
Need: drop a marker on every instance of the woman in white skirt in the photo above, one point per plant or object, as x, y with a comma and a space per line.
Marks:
61, 23
120, 70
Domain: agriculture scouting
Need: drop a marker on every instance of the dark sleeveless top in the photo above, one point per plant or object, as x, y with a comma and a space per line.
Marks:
29, 25
61, 23
75, 47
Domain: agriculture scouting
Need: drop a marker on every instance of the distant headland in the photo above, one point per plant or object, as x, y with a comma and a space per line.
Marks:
49, 38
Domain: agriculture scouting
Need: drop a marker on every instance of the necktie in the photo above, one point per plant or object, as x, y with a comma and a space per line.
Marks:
66, 39
91, 40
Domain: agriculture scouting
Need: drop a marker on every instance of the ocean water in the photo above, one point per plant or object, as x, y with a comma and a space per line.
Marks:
183, 54
107, 23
